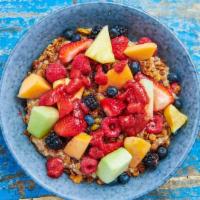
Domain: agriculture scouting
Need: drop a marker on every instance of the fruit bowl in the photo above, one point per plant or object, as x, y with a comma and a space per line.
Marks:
30, 47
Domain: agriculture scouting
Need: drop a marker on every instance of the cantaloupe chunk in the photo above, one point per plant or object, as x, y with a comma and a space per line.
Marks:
138, 148
33, 87
117, 79
77, 145
66, 81
141, 51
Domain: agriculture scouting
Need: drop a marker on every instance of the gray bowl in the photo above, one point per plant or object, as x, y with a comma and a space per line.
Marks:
30, 47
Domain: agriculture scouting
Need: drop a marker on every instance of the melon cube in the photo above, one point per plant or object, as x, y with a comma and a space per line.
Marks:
41, 120
117, 79
33, 87
113, 164
141, 51
77, 146
138, 148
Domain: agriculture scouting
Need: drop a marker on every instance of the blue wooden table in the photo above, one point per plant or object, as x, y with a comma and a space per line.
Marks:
182, 16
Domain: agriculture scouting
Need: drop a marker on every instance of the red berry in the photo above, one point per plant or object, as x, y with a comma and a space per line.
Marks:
86, 81
139, 76
88, 165
77, 110
119, 44
135, 108
84, 108
55, 71
111, 127
74, 85
82, 63
97, 139
55, 167
96, 153
75, 73
110, 147
175, 88
100, 77
143, 40
127, 121
119, 66
64, 107
155, 125
112, 107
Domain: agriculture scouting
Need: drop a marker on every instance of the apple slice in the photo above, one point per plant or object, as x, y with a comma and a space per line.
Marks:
148, 86
101, 48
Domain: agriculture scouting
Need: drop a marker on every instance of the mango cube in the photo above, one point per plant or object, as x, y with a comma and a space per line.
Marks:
141, 51
41, 120
113, 164
138, 148
77, 146
174, 118
33, 87
101, 49
117, 79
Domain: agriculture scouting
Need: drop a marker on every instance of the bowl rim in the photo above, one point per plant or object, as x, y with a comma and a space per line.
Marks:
54, 12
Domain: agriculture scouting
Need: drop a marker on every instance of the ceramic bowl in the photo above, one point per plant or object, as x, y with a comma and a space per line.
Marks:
31, 46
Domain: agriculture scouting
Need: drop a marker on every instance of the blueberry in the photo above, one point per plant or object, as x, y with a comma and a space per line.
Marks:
89, 119
151, 160
68, 33
91, 102
53, 141
178, 103
173, 77
162, 152
123, 178
75, 37
115, 182
114, 32
135, 67
112, 91
95, 30
118, 30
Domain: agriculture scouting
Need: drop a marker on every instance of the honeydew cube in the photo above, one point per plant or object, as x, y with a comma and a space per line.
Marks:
41, 120
77, 146
33, 87
113, 164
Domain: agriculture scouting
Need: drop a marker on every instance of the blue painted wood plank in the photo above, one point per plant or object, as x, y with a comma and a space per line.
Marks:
16, 16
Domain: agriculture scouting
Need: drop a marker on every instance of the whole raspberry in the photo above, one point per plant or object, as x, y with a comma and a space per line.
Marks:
119, 66
55, 71
143, 40
55, 167
135, 108
88, 165
127, 121
100, 77
111, 127
155, 125
96, 153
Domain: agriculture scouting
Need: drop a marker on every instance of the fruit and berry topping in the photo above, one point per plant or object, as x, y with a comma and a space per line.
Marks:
118, 30
112, 107
112, 91
55, 167
95, 31
100, 77
55, 71
53, 141
162, 97
70, 50
119, 66
162, 152
151, 160
135, 108
89, 120
135, 67
74, 86
175, 88
88, 165
123, 178
143, 40
96, 153
70, 126
119, 44
65, 106
111, 127
155, 125
91, 102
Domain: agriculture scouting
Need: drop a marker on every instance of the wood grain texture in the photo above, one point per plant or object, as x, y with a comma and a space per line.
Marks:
182, 16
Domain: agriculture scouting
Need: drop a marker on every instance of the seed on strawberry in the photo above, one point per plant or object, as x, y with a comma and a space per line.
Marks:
155, 125
55, 71
88, 165
55, 167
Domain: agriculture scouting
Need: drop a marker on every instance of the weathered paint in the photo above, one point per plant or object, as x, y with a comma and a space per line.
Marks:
182, 16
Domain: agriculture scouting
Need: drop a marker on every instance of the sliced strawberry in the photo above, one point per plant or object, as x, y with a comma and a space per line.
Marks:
112, 107
55, 71
51, 97
74, 85
70, 50
64, 107
119, 44
82, 63
162, 97
70, 126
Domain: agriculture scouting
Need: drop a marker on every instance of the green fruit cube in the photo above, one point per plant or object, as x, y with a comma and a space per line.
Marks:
41, 120
113, 164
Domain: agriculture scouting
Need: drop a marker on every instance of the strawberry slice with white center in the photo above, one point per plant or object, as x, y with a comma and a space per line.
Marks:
162, 97
70, 50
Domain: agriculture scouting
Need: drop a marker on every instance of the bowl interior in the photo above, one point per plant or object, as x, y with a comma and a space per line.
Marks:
30, 47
